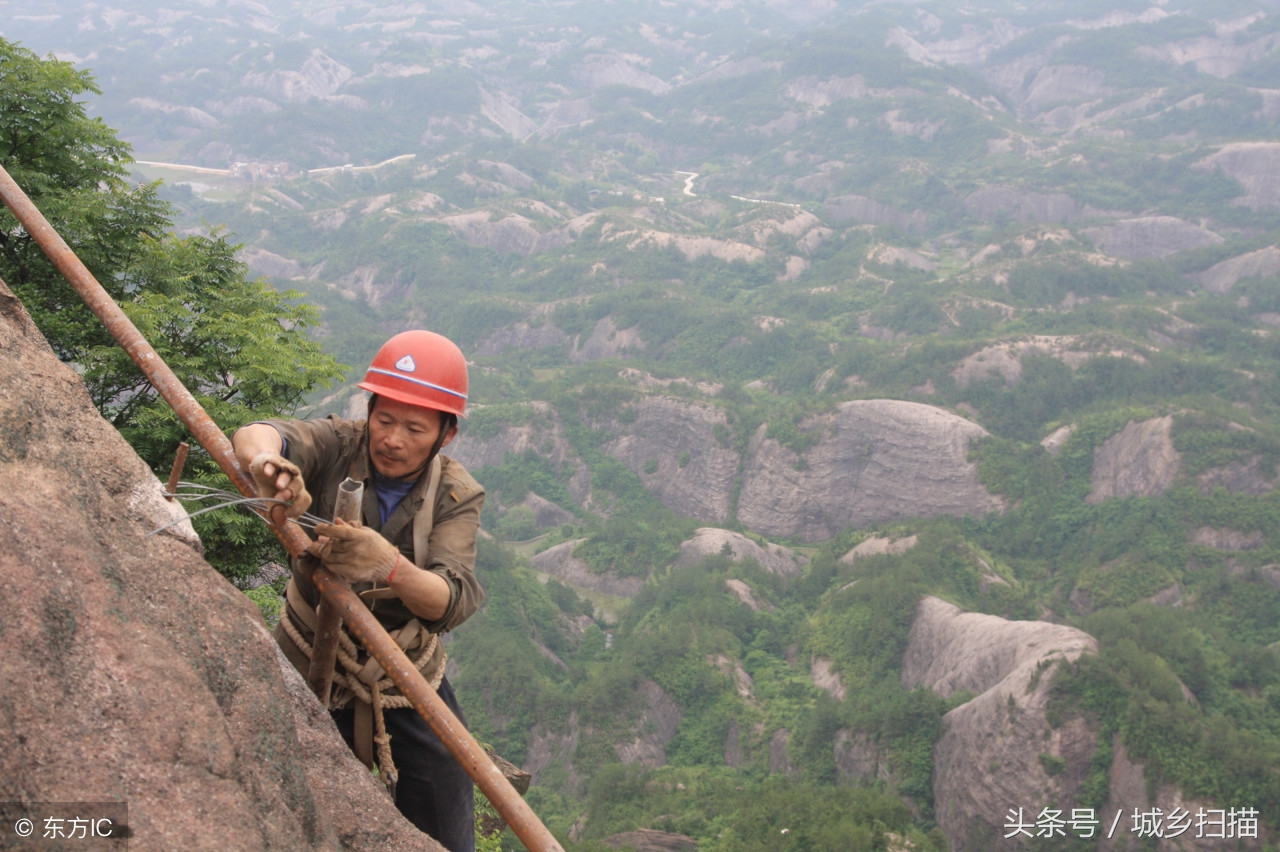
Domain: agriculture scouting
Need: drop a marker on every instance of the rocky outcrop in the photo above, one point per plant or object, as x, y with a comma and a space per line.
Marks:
858, 208
1131, 793
1150, 237
659, 719
1221, 277
599, 70
542, 433
521, 336
134, 672
996, 202
1138, 461
512, 234
1228, 539
1238, 477
671, 446
1005, 358
606, 341
874, 461
320, 76
559, 562
263, 263
545, 513
1256, 165
709, 541
877, 546
992, 746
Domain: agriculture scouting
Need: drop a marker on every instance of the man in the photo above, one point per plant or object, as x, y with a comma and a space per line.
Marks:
411, 558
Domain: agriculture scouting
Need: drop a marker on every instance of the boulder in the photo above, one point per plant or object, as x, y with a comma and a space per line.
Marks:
136, 673
873, 461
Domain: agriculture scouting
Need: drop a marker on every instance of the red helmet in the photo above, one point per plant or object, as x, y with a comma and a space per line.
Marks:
420, 368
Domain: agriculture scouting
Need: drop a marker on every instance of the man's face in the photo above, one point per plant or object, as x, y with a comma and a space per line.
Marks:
401, 437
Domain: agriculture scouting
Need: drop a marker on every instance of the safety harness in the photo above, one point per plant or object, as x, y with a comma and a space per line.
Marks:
364, 681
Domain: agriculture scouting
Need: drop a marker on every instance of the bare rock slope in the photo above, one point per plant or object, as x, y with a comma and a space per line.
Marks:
876, 460
134, 672
989, 755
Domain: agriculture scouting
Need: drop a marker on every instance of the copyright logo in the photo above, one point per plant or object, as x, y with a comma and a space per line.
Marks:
24, 827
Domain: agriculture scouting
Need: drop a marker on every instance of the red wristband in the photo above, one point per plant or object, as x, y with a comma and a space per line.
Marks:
394, 568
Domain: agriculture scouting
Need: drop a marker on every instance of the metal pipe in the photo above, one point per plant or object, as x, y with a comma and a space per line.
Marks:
175, 474
324, 646
459, 741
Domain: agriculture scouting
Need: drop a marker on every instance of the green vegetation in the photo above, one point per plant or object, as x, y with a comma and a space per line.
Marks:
593, 283
238, 345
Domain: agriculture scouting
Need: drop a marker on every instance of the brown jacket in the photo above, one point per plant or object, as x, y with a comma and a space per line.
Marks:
330, 450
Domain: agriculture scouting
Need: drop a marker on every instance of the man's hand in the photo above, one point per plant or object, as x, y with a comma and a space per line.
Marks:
358, 553
279, 478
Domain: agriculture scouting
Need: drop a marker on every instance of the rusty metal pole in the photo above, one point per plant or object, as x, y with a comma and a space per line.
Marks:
523, 821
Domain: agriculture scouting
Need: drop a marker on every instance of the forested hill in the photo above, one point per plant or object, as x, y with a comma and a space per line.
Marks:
793, 324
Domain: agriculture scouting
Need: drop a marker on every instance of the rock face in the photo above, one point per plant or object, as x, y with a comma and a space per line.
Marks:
989, 756
1221, 277
559, 562
1150, 236
1139, 461
876, 460
1021, 206
671, 446
1005, 357
709, 541
659, 719
134, 672
1256, 165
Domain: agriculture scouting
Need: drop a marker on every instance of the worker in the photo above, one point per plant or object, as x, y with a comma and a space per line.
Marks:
411, 559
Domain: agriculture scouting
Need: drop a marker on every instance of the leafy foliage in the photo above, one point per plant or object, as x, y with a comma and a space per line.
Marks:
239, 346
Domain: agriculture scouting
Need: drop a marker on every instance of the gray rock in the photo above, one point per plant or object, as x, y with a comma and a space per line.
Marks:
709, 541
990, 748
659, 719
559, 562
858, 208
1238, 477
606, 341
1150, 237
521, 335
1256, 165
875, 461
1138, 461
671, 446
1221, 277
1021, 205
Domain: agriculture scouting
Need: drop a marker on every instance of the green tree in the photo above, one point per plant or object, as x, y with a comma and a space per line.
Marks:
238, 345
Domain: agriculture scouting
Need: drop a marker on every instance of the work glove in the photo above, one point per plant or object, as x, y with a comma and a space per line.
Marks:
268, 469
358, 553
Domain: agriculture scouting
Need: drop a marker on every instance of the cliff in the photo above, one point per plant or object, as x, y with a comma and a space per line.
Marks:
136, 673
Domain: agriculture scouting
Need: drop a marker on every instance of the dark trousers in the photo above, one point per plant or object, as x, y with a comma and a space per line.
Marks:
433, 791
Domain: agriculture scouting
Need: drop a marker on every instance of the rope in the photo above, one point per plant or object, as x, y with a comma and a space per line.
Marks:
348, 654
